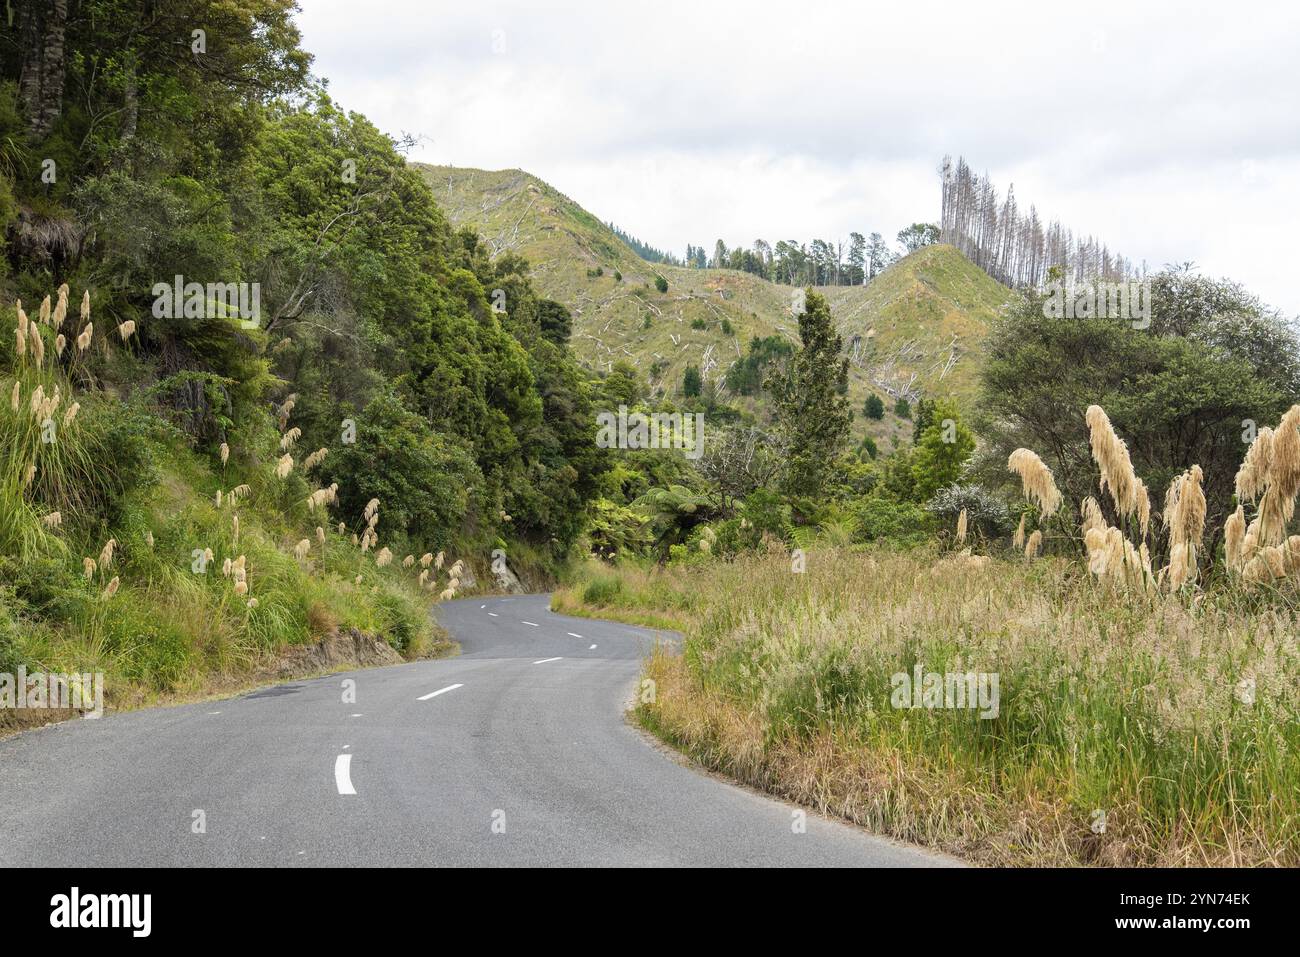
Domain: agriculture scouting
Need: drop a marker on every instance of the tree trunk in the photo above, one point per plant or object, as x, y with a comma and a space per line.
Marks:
42, 32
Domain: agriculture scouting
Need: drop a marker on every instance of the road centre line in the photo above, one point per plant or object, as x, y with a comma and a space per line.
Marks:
343, 774
434, 694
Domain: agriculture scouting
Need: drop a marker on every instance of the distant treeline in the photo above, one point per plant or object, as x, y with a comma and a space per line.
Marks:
819, 263
645, 250
1012, 246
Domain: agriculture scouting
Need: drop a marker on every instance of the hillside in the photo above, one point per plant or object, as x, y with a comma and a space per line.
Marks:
915, 330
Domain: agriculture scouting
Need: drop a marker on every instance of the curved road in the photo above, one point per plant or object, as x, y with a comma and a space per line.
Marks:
514, 753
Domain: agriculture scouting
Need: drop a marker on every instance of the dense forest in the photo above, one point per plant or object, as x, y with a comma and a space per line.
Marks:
272, 365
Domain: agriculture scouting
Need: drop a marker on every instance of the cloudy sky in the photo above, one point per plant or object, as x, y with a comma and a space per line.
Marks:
1170, 130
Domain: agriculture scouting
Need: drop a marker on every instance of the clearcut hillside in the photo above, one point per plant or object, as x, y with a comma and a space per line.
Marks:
915, 330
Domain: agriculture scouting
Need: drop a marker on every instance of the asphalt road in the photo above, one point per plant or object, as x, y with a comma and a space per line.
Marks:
517, 752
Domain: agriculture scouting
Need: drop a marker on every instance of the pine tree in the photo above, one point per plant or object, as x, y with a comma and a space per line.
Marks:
812, 410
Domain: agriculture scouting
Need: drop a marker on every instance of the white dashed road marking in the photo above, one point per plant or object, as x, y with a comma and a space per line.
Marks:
545, 660
494, 614
434, 694
533, 623
573, 634
343, 774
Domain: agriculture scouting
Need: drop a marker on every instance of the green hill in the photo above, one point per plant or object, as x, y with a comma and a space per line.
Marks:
916, 330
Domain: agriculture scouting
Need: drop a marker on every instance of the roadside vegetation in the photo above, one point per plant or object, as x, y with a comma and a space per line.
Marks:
1142, 634
195, 484
1130, 730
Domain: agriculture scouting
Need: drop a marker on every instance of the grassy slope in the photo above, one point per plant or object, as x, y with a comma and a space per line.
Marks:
929, 306
169, 632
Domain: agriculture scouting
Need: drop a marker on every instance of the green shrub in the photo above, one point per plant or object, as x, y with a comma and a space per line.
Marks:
602, 590
882, 519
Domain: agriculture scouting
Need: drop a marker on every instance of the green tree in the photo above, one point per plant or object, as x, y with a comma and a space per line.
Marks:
621, 385
923, 416
556, 321
918, 235
943, 450
874, 408
661, 283
1184, 390
811, 409
691, 382
903, 408
428, 483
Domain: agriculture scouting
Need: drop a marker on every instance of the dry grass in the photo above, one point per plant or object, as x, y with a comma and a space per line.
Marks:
1176, 719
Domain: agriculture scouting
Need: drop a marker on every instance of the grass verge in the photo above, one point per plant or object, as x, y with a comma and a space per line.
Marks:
1129, 731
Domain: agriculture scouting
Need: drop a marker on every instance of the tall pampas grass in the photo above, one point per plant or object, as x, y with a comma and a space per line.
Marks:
1253, 474
1033, 545
284, 466
1280, 479
1018, 539
1234, 534
289, 438
961, 527
1036, 479
286, 410
1117, 475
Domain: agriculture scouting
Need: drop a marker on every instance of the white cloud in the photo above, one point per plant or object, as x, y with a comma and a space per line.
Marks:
1165, 129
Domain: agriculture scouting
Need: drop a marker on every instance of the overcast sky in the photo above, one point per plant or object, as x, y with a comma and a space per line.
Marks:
1169, 130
